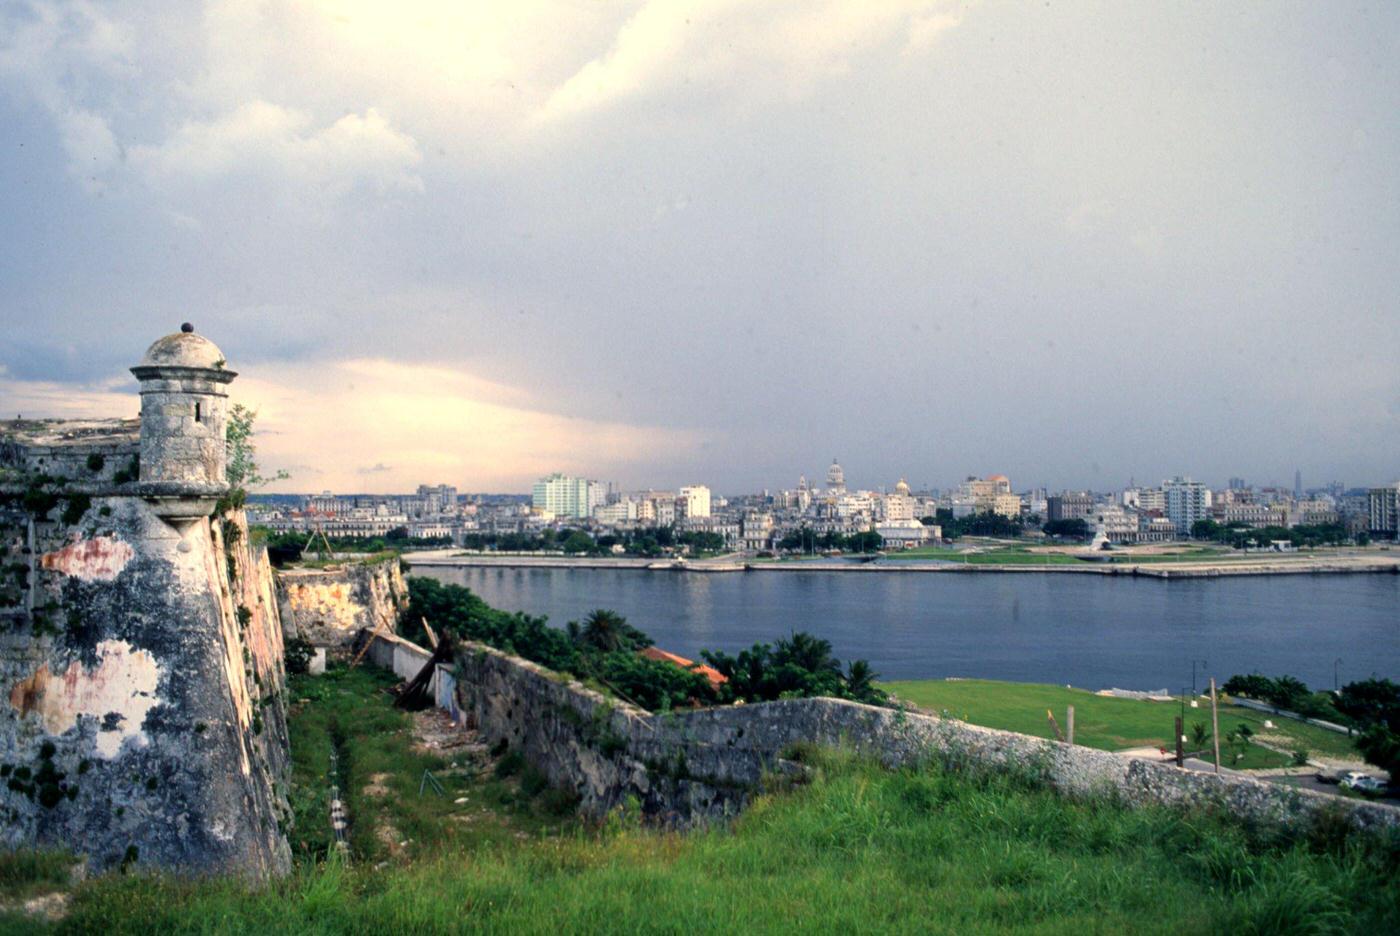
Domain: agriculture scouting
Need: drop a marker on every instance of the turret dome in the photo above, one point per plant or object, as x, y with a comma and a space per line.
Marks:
902, 487
184, 349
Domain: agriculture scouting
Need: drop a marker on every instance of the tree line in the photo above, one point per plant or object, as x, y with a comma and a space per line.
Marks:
604, 649
1370, 706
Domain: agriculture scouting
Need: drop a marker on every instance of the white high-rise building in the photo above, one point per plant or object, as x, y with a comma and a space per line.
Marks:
1186, 502
694, 501
564, 496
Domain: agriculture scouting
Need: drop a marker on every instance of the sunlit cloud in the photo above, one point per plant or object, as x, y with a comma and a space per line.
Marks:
371, 425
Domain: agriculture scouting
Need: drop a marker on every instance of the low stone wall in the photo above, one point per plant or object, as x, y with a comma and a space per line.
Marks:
328, 607
687, 766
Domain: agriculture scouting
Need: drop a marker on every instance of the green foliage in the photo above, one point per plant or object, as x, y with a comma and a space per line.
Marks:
606, 631
986, 523
1285, 692
793, 667
603, 649
807, 540
26, 871
1077, 528
131, 472
1373, 706
297, 654
39, 500
1240, 535
96, 462
242, 467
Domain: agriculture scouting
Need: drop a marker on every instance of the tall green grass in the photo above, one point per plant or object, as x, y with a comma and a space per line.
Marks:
858, 849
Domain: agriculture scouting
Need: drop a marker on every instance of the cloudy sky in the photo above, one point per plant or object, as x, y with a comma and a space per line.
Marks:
663, 242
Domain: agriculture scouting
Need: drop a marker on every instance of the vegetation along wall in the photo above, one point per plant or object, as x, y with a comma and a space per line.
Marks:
691, 765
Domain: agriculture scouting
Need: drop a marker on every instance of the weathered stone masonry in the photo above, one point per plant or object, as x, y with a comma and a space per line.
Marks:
692, 765
329, 607
142, 713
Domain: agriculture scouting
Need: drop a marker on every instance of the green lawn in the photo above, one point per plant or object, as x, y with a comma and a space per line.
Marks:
1108, 723
1001, 556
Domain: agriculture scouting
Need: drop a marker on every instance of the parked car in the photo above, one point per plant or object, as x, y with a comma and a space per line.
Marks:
1362, 783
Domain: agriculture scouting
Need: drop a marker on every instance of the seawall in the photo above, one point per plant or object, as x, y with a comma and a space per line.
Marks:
1302, 566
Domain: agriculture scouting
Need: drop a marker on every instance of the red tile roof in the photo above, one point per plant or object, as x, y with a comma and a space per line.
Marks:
709, 672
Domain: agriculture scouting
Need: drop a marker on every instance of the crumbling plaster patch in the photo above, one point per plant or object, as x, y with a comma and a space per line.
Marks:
123, 683
100, 559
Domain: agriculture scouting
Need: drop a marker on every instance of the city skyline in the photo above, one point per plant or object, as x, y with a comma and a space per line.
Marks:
665, 242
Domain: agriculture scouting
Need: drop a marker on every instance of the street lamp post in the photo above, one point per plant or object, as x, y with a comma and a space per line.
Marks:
1204, 666
1336, 671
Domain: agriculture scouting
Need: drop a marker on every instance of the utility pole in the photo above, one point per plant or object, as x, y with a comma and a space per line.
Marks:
1180, 753
1204, 666
1069, 725
1336, 671
1214, 725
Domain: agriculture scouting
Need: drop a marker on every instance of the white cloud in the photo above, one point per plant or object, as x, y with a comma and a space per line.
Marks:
785, 47
265, 138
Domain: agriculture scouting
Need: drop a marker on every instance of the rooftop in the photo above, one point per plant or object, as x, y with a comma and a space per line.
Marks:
52, 433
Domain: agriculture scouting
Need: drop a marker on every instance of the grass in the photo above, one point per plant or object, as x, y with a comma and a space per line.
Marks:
1008, 555
854, 849
1111, 724
858, 849
380, 771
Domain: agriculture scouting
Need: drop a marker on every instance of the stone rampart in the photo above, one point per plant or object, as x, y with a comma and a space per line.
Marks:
327, 607
142, 715
692, 765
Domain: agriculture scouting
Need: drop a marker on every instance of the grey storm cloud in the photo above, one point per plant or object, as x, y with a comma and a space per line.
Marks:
1072, 243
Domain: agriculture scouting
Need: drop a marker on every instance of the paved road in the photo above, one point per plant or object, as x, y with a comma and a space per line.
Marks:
1310, 782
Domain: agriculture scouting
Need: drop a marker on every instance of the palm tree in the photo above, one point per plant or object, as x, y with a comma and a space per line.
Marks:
607, 631
860, 683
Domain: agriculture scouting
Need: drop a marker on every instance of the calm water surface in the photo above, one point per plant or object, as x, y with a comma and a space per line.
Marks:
1084, 630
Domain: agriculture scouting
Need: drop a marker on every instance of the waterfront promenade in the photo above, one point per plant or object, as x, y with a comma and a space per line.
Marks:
1330, 562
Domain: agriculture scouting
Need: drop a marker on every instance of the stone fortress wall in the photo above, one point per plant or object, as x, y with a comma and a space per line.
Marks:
690, 766
328, 607
142, 690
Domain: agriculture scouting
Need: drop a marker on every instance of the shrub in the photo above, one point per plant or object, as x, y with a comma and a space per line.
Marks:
297, 654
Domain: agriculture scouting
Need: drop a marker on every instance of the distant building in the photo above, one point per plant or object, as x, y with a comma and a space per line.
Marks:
1187, 502
1145, 499
694, 501
1069, 506
564, 496
897, 506
1119, 524
835, 478
1384, 504
906, 534
623, 511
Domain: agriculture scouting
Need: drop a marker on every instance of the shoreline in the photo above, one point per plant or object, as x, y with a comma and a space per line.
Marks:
1337, 566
